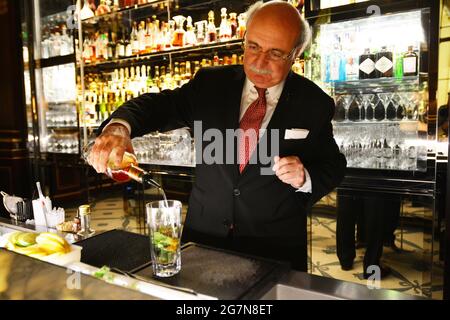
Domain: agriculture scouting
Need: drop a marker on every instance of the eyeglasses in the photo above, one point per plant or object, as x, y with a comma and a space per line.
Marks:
272, 54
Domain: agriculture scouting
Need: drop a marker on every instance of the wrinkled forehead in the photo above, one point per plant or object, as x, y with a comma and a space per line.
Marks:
270, 34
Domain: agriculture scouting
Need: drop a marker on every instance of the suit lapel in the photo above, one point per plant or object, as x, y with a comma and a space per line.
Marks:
233, 103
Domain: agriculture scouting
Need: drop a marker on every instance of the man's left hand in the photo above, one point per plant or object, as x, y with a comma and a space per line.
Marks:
290, 170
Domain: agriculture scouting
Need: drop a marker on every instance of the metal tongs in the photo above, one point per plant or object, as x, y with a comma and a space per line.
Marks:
155, 282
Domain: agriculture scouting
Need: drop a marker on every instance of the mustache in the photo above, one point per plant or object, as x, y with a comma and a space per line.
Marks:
260, 71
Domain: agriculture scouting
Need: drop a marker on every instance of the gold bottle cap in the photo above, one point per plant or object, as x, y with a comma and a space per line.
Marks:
84, 210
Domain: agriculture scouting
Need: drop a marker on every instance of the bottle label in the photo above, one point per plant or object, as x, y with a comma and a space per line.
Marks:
409, 65
367, 66
383, 64
334, 69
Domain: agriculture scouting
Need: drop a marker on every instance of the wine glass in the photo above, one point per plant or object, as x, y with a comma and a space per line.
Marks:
411, 106
367, 100
346, 101
358, 101
385, 99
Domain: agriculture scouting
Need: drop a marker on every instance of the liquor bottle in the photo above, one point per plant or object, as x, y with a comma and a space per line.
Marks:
128, 46
233, 24
156, 78
116, 5
384, 63
104, 105
216, 60
410, 63
201, 38
398, 69
211, 30
178, 34
190, 37
170, 30
141, 37
129, 3
242, 25
367, 65
134, 39
102, 8
127, 169
296, 67
176, 74
234, 59
336, 68
188, 73
157, 36
148, 36
224, 28
196, 67
351, 69
120, 48
111, 47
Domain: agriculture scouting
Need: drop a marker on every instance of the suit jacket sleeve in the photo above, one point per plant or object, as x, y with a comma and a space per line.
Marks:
164, 111
327, 169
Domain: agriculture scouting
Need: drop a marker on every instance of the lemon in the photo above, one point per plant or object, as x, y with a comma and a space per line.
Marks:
26, 239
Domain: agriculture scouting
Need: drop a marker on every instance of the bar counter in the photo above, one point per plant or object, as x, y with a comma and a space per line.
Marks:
203, 276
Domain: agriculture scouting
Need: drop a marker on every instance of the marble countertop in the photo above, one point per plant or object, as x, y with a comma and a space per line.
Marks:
24, 278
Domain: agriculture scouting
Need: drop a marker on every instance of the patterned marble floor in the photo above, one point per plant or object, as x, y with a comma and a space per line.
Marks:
410, 272
409, 267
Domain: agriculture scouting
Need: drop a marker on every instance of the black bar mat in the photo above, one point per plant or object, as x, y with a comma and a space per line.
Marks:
221, 274
116, 249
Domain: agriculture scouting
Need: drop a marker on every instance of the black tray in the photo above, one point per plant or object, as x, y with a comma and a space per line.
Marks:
116, 249
222, 274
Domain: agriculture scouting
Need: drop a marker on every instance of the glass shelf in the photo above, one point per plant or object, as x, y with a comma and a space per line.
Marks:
95, 19
115, 62
377, 85
63, 128
369, 123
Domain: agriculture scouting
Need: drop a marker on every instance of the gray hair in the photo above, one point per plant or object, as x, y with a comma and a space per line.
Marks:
304, 37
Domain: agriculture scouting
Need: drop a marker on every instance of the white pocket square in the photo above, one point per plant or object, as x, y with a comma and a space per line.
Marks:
296, 134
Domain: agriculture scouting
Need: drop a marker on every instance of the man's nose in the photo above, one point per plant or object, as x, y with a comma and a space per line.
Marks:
261, 60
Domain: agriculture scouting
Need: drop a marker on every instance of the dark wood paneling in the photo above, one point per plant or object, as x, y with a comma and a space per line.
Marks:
14, 162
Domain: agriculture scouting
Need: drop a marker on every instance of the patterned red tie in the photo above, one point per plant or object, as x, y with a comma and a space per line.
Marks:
250, 124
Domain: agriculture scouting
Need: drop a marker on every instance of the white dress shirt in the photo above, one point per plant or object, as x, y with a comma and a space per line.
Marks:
249, 95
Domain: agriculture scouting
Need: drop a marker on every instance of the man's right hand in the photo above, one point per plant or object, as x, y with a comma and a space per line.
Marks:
115, 138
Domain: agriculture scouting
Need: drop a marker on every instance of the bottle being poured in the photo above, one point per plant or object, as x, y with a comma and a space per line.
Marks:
128, 169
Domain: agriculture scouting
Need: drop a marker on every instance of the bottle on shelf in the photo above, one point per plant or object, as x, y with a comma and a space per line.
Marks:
128, 46
179, 33
141, 37
233, 25
336, 64
225, 27
148, 38
103, 8
211, 30
134, 39
111, 46
410, 63
190, 37
116, 5
398, 65
242, 25
367, 65
384, 63
201, 27
120, 47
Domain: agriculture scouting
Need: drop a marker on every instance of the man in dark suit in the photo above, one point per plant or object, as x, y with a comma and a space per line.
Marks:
235, 205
